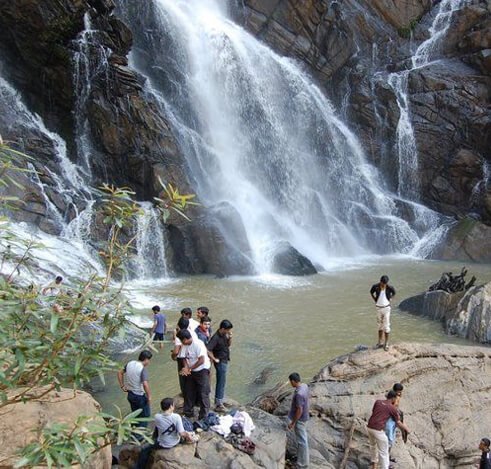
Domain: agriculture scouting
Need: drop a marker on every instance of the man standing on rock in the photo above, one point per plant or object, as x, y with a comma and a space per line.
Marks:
196, 371
381, 293
299, 416
133, 379
379, 443
219, 352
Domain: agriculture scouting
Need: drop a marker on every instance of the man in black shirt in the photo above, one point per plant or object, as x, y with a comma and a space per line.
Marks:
219, 353
381, 294
485, 462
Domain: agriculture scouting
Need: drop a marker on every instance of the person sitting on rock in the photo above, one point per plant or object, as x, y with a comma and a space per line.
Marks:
379, 443
53, 288
170, 431
485, 461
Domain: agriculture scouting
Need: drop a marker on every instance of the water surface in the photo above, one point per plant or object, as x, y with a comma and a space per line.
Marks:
290, 324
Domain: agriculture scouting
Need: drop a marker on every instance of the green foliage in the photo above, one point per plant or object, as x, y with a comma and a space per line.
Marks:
51, 342
62, 444
406, 31
11, 162
171, 200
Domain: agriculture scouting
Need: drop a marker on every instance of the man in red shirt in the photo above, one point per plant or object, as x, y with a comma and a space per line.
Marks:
379, 444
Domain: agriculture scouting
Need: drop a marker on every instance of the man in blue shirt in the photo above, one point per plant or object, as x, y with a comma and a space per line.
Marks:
299, 416
159, 326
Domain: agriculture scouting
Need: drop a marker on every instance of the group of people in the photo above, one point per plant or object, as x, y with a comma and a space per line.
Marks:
195, 349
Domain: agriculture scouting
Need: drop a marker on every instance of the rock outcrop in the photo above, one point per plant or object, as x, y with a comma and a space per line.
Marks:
446, 404
467, 240
466, 314
288, 261
213, 243
212, 451
24, 421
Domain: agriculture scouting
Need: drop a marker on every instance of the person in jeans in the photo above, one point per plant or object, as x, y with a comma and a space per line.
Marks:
133, 379
219, 352
382, 293
299, 416
196, 372
379, 443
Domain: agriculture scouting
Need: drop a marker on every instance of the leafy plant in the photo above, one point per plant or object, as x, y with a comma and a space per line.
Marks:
47, 343
172, 200
11, 162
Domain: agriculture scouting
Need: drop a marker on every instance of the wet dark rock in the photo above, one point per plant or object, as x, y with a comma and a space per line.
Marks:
288, 261
214, 242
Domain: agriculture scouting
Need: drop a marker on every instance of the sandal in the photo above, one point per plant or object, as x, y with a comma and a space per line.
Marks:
386, 347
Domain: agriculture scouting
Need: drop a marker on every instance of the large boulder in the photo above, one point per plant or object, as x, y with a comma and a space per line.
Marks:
20, 423
288, 261
214, 242
212, 451
446, 404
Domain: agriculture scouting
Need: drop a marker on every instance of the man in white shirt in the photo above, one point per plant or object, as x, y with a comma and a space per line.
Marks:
178, 353
196, 371
382, 293
188, 314
133, 379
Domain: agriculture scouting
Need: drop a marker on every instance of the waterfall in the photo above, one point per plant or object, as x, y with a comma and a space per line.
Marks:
150, 260
442, 21
89, 61
408, 184
258, 133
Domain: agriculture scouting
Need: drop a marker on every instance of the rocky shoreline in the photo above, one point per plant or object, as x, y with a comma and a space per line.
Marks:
446, 404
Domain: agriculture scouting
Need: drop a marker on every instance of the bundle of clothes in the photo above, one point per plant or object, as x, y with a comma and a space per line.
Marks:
236, 428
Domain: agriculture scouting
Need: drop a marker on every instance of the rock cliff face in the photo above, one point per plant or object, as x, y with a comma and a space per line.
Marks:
445, 402
352, 45
69, 60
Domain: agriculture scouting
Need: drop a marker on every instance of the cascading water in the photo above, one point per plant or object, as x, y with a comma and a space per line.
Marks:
405, 140
259, 134
150, 260
89, 60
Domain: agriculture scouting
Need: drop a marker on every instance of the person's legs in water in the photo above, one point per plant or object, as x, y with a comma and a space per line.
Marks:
303, 455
